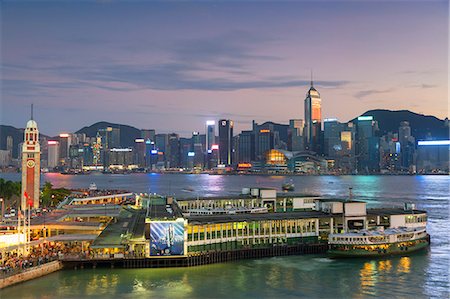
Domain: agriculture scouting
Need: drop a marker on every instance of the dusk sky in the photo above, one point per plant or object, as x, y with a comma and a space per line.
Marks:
172, 65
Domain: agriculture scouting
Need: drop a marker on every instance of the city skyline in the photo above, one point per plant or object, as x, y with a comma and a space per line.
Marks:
176, 65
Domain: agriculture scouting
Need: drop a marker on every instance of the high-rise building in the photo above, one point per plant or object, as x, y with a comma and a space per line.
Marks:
313, 120
64, 144
367, 145
148, 134
139, 149
295, 135
210, 134
246, 148
52, 154
226, 142
197, 150
31, 166
173, 152
407, 145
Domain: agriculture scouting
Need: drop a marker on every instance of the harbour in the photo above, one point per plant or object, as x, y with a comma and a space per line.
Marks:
432, 202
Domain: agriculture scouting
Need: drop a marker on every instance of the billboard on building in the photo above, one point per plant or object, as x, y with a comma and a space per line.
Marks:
166, 238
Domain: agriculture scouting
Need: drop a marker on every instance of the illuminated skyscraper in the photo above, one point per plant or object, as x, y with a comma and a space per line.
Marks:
226, 141
313, 120
31, 165
53, 154
210, 134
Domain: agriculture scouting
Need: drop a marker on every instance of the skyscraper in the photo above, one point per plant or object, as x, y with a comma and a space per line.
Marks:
246, 147
295, 134
210, 134
407, 145
367, 145
313, 120
53, 154
226, 141
173, 151
31, 165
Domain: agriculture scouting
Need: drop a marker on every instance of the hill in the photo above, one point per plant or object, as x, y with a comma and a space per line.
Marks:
17, 135
422, 126
127, 133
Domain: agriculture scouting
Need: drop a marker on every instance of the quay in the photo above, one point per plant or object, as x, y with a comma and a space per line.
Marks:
31, 273
161, 231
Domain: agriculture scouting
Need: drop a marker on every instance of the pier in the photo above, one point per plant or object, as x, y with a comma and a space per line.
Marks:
198, 259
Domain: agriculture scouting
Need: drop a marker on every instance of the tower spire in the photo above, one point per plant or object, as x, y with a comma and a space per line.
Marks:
312, 85
31, 111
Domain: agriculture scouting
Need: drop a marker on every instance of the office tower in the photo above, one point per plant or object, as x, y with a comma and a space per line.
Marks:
225, 141
52, 154
185, 146
173, 152
367, 145
313, 120
197, 150
332, 137
110, 138
162, 145
151, 154
115, 138
64, 143
295, 135
139, 152
210, 134
31, 166
87, 154
246, 147
148, 134
407, 145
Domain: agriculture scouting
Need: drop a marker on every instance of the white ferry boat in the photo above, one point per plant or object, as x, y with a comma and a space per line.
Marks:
378, 242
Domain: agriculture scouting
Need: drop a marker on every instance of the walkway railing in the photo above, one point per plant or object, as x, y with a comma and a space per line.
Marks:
7, 271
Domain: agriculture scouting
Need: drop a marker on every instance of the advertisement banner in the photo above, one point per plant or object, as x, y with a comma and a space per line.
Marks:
166, 238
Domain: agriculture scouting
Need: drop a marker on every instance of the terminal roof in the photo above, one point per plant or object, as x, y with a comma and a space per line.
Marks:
224, 218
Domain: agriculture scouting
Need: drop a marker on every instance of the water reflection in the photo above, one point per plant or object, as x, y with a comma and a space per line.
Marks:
368, 277
404, 265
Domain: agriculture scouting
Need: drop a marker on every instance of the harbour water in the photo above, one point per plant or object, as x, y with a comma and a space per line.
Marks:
422, 275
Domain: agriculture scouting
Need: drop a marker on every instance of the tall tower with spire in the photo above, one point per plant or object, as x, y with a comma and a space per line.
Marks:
31, 165
313, 119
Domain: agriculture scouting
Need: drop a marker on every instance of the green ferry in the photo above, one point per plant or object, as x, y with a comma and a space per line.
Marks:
378, 242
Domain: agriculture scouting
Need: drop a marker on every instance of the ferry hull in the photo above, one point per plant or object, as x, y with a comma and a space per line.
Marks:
378, 250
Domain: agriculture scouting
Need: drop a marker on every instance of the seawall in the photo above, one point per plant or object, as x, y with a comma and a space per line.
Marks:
32, 273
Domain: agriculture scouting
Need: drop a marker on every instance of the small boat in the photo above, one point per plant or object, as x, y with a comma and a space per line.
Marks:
288, 186
378, 242
92, 187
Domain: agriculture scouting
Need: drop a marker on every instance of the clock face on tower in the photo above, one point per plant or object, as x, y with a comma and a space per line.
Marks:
30, 163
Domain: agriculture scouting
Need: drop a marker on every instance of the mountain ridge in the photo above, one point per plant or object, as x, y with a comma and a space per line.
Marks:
422, 127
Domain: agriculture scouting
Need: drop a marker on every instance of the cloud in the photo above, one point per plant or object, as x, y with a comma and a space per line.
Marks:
369, 92
223, 62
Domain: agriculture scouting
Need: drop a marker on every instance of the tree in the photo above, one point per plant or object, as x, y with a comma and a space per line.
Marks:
51, 197
9, 189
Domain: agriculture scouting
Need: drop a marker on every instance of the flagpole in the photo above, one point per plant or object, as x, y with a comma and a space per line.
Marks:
29, 226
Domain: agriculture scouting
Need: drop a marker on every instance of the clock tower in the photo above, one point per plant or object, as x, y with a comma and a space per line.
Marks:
31, 165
